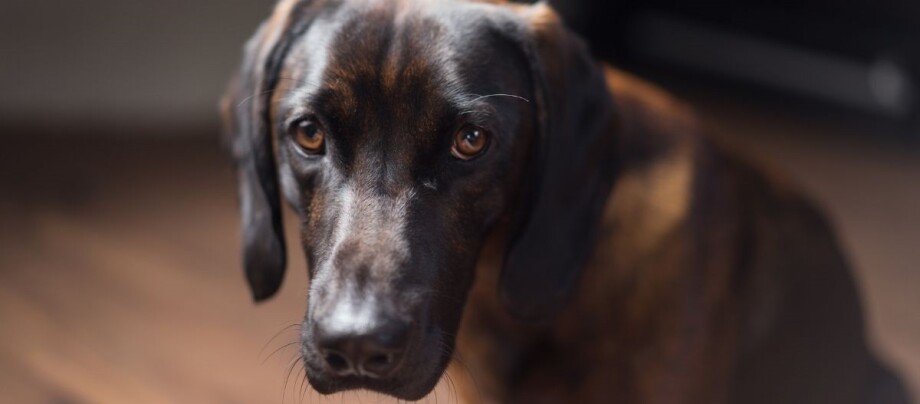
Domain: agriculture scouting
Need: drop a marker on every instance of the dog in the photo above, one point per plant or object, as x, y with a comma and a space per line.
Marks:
470, 182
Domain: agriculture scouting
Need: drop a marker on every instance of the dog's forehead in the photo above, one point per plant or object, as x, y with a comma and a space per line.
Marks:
407, 49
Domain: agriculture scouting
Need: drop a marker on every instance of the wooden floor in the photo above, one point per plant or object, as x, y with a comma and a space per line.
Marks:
120, 281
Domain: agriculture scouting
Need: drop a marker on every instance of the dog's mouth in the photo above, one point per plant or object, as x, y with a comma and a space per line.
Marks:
417, 375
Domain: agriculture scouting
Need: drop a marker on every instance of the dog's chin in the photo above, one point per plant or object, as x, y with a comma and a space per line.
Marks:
416, 379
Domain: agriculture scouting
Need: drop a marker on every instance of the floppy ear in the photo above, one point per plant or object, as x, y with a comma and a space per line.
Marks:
247, 129
556, 231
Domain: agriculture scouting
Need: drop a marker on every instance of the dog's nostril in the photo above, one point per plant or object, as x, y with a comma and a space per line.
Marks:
379, 360
377, 365
337, 362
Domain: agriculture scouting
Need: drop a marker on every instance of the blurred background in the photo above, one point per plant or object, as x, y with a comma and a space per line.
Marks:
119, 272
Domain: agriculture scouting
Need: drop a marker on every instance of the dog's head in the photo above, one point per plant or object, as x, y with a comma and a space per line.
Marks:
402, 132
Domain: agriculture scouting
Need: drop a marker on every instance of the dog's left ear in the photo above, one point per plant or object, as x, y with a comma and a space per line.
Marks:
247, 130
556, 232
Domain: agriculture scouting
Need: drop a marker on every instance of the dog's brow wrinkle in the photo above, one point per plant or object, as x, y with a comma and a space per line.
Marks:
431, 184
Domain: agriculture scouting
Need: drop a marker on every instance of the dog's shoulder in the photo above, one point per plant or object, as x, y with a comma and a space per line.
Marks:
681, 169
771, 237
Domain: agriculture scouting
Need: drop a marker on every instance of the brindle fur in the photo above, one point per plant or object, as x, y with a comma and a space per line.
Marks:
619, 253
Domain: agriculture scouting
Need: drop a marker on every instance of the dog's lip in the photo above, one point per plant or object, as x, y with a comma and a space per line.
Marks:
408, 389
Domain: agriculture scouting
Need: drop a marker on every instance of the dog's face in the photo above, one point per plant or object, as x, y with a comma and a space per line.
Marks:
401, 133
395, 140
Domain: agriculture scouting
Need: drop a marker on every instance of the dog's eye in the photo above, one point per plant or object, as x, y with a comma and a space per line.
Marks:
469, 142
309, 136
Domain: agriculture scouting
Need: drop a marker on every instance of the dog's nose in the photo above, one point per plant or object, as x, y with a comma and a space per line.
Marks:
373, 352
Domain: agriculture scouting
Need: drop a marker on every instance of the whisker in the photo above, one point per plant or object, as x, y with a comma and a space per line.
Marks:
277, 334
307, 390
288, 378
518, 97
466, 369
300, 373
452, 386
448, 350
279, 350
249, 98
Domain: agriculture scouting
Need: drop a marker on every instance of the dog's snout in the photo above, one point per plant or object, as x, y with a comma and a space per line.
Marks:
372, 352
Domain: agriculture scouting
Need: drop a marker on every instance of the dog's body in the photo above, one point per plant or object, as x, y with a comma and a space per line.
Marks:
619, 254
711, 282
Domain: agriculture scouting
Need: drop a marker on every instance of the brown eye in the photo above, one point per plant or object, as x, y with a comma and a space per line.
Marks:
309, 136
469, 142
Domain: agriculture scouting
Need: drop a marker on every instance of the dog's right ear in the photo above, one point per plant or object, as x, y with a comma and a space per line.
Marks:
572, 172
247, 132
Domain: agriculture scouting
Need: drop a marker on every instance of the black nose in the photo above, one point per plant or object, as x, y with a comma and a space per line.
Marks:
374, 352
